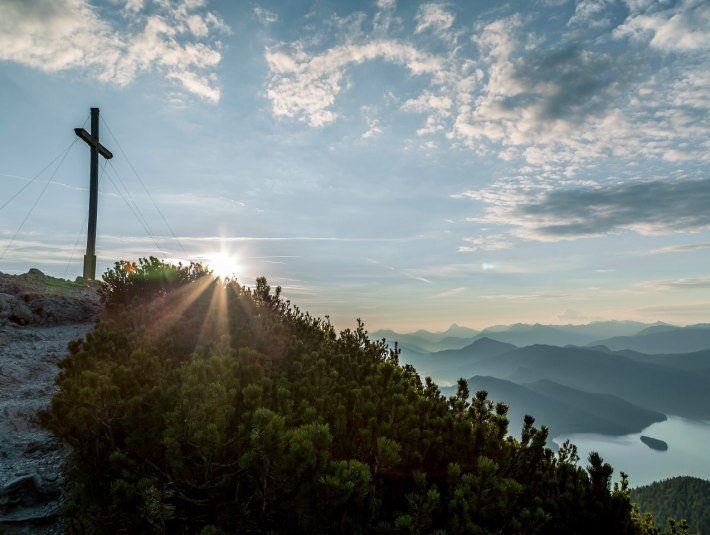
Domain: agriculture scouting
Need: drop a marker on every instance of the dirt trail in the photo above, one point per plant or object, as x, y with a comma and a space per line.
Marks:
31, 480
39, 315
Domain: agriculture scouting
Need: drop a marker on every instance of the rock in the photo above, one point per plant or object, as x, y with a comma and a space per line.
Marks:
27, 503
37, 299
28, 490
21, 313
6, 304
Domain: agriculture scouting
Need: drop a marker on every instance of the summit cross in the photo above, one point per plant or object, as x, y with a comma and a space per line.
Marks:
96, 148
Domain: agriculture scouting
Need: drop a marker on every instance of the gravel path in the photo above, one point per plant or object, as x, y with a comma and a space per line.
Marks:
31, 480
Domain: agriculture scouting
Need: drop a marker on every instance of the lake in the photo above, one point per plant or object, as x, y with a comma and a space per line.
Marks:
687, 455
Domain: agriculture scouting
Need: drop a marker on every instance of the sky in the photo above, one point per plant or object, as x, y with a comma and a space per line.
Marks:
413, 164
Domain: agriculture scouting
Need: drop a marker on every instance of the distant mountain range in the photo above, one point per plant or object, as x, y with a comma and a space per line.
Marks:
614, 377
665, 340
614, 334
698, 361
521, 334
448, 365
422, 341
661, 388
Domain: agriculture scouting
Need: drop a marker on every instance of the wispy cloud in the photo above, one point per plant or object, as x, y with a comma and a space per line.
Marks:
434, 17
177, 41
653, 207
676, 284
689, 312
449, 293
526, 297
682, 248
405, 272
485, 243
265, 16
237, 239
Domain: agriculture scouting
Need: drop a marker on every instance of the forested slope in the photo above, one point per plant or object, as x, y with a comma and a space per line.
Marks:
678, 497
197, 406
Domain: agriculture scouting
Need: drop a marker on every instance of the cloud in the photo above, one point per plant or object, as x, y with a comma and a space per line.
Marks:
555, 108
434, 17
676, 284
575, 316
175, 42
134, 5
681, 28
373, 129
449, 293
485, 243
654, 207
682, 248
526, 297
587, 11
541, 97
304, 86
696, 311
265, 16
407, 273
386, 4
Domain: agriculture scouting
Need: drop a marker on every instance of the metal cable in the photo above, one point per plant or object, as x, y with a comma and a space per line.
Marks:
31, 181
140, 215
145, 188
41, 193
147, 230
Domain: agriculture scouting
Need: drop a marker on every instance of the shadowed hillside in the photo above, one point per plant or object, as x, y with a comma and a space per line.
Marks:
679, 340
653, 386
566, 410
677, 497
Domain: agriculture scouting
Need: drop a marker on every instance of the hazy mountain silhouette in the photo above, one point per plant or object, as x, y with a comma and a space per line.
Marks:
678, 340
420, 341
661, 328
449, 365
698, 361
564, 410
521, 334
649, 385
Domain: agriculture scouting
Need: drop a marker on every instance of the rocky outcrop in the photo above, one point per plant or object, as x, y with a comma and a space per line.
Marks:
34, 298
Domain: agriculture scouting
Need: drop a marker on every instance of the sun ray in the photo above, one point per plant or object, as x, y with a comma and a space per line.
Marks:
223, 264
180, 301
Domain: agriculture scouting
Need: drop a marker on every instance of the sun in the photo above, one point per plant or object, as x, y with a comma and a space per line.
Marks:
223, 265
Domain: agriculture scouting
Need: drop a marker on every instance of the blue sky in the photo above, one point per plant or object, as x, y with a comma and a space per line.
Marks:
412, 164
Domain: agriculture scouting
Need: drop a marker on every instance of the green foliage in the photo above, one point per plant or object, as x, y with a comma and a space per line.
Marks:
150, 278
678, 497
201, 406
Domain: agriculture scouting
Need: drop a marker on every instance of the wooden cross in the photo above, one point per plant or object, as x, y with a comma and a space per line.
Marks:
96, 148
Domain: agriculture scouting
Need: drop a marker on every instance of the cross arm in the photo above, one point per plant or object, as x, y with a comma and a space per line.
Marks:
93, 142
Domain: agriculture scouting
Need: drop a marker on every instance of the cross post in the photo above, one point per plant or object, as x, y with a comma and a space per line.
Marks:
96, 148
